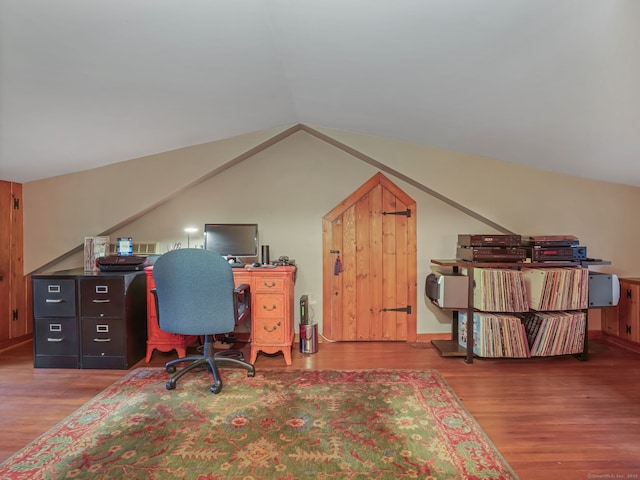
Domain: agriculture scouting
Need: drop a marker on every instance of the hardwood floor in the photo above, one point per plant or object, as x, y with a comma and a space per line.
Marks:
550, 418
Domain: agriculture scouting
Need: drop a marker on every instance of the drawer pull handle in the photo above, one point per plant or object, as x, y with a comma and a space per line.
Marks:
101, 340
54, 300
56, 340
270, 330
97, 300
269, 284
269, 308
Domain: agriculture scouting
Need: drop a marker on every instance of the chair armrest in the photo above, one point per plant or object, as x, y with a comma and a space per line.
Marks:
242, 302
154, 292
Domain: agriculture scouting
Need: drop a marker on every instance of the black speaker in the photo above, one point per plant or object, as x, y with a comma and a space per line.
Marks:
304, 310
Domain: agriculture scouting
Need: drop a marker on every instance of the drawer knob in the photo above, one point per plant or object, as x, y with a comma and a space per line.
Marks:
54, 300
270, 330
55, 340
100, 340
269, 284
269, 308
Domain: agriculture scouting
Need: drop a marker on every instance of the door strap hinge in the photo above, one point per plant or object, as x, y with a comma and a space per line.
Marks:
406, 309
406, 213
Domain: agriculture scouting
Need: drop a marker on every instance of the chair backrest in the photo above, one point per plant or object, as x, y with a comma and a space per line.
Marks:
195, 292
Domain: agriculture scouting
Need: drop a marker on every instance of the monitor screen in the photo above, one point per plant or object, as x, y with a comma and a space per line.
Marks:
124, 247
232, 239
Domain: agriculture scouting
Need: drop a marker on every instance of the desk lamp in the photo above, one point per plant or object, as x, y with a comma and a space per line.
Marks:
189, 231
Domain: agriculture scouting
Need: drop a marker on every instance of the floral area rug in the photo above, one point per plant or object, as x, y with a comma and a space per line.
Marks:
278, 425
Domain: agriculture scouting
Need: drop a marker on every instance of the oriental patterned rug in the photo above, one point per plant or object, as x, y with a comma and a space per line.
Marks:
278, 425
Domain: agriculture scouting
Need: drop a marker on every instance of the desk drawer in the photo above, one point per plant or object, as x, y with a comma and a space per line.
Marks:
269, 306
269, 331
269, 284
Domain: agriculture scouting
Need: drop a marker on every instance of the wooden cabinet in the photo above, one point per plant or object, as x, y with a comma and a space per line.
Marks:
629, 310
89, 319
272, 325
15, 322
623, 321
609, 320
272, 303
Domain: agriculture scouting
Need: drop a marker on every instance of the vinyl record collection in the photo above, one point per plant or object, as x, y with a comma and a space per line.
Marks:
534, 334
527, 331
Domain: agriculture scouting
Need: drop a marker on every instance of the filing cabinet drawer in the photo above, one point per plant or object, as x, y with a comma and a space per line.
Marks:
56, 336
101, 297
103, 338
54, 297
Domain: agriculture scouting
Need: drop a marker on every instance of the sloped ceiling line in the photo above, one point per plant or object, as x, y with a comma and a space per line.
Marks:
263, 146
132, 218
385, 168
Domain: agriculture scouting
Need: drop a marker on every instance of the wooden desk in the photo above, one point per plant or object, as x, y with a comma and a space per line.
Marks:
159, 339
272, 303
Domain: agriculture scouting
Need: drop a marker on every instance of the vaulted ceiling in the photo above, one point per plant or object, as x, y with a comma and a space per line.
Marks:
553, 84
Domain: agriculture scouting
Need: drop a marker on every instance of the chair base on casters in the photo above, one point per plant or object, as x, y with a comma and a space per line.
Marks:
210, 360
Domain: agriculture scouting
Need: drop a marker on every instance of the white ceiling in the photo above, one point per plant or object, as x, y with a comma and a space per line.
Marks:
553, 84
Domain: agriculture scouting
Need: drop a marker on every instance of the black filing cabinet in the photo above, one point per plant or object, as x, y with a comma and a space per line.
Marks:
56, 340
107, 322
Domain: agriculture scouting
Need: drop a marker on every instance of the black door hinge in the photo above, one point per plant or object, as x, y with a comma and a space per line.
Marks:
14, 315
406, 309
406, 213
16, 203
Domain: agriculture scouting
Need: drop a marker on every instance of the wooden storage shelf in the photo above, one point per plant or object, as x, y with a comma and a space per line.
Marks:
452, 348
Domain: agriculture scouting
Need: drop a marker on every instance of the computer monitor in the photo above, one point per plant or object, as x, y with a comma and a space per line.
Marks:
232, 239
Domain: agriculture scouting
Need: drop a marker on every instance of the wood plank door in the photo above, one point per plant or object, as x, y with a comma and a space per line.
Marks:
369, 265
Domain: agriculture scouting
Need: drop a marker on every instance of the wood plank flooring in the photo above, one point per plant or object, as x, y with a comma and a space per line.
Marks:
550, 418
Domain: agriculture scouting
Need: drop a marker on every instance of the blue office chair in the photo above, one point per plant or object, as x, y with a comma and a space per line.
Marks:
195, 295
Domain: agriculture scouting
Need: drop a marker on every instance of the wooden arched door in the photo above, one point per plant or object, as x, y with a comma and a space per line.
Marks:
369, 265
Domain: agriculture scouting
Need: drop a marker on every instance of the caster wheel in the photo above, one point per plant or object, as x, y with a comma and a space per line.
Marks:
171, 384
171, 369
251, 373
216, 387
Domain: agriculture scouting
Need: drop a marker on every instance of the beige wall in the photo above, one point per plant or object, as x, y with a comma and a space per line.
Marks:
288, 187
